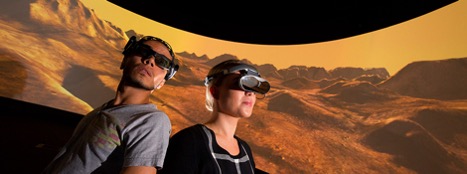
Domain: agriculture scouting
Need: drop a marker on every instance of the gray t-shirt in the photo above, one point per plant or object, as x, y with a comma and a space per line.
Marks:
108, 139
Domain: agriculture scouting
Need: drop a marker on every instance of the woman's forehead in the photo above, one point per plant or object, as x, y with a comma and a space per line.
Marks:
230, 78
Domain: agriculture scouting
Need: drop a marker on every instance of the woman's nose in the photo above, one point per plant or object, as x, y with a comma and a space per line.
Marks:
249, 93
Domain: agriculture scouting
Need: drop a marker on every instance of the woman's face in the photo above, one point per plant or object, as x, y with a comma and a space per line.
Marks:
233, 100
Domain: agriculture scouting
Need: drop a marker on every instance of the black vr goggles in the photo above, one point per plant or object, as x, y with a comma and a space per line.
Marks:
134, 46
250, 79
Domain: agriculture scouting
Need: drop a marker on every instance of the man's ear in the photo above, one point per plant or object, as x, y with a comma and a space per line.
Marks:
214, 92
122, 65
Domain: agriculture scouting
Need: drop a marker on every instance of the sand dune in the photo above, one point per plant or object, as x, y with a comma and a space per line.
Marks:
443, 79
409, 143
358, 92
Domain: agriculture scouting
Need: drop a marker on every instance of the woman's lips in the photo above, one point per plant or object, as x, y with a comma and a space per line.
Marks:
248, 103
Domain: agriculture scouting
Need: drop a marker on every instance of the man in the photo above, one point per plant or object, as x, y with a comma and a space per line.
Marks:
128, 134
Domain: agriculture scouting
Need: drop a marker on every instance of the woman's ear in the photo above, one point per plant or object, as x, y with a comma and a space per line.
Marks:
214, 92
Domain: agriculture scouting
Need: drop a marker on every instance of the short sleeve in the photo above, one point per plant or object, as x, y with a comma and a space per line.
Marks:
145, 138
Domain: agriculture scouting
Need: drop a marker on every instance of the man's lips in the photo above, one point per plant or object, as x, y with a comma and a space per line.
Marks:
143, 70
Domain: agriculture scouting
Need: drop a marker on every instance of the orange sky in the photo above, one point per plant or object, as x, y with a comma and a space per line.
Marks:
441, 34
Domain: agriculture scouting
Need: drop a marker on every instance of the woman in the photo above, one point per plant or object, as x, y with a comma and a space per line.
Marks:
231, 91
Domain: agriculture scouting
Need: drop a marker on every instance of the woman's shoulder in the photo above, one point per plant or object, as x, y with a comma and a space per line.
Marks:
243, 142
192, 128
194, 131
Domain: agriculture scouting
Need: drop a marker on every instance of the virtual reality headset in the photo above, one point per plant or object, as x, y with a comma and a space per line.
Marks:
250, 79
138, 47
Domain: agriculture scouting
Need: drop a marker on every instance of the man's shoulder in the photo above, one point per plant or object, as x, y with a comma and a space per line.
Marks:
140, 110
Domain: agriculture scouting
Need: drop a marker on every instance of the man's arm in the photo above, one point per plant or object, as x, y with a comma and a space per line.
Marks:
139, 169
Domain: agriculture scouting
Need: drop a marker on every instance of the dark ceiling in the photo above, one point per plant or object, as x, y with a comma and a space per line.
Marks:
285, 23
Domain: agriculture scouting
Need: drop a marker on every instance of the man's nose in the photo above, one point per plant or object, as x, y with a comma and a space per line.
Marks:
150, 60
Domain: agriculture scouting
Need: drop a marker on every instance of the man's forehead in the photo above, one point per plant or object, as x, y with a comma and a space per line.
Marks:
158, 47
154, 43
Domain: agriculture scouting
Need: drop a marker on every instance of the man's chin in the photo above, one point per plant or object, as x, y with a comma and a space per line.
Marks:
139, 85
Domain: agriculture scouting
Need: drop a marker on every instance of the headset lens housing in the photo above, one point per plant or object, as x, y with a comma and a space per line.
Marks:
161, 61
254, 83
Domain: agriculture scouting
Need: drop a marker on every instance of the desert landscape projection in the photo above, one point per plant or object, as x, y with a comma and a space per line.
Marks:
315, 120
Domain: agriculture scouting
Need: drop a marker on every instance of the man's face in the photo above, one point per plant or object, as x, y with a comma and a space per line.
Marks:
141, 70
